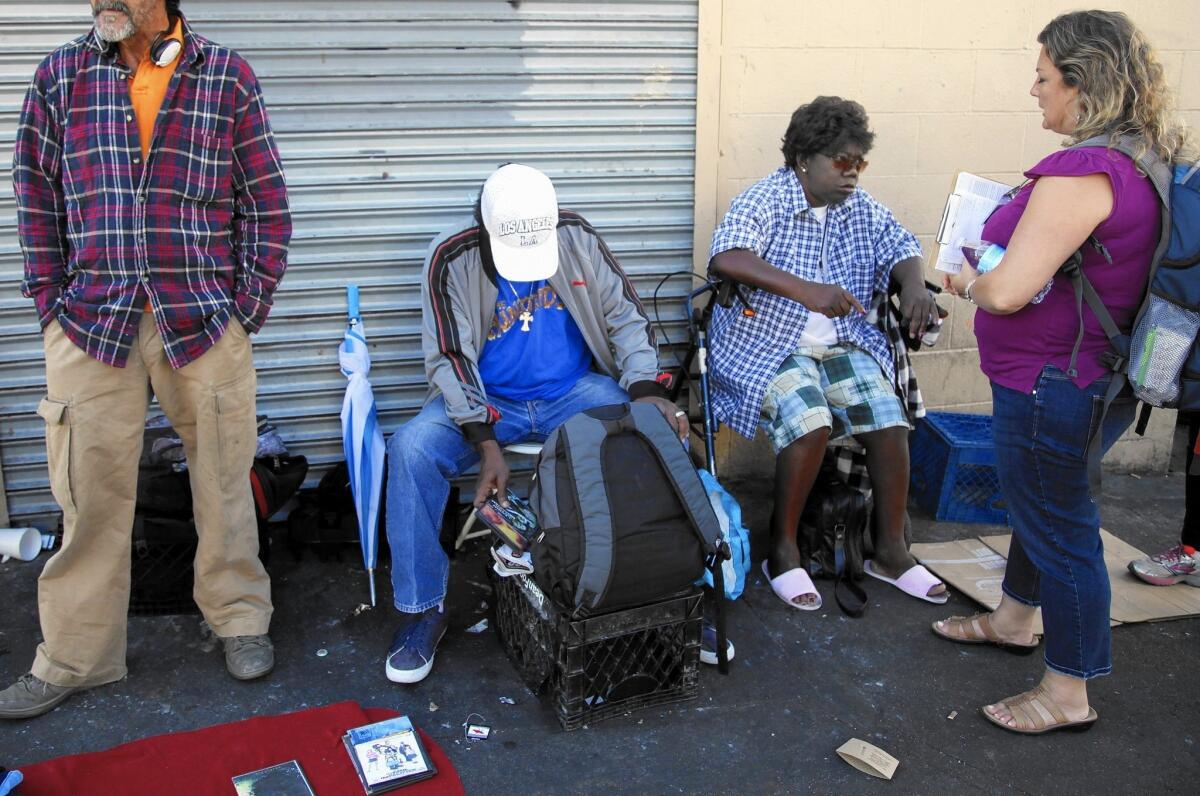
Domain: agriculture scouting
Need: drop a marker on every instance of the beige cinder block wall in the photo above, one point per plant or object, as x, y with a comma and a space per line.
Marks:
946, 84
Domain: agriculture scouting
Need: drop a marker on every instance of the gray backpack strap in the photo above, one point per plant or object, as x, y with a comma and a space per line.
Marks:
654, 429
583, 432
544, 492
1160, 176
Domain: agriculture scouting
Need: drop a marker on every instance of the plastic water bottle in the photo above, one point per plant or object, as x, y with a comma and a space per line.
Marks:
984, 256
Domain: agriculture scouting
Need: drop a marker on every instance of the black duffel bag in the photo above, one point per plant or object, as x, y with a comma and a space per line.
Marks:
834, 528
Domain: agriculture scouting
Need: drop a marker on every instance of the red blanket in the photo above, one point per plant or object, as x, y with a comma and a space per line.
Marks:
205, 761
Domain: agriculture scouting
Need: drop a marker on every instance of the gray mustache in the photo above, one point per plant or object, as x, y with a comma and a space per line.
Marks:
112, 5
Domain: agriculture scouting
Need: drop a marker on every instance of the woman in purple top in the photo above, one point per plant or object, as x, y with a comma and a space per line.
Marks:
1096, 75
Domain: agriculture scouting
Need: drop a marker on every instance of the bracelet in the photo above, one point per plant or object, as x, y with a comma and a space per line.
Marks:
967, 292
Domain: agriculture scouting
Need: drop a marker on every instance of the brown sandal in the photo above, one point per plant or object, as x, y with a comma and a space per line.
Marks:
1039, 714
978, 629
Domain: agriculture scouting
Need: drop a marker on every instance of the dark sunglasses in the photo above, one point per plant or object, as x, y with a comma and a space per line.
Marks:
843, 162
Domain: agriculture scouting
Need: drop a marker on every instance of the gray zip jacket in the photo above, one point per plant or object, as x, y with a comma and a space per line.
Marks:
458, 297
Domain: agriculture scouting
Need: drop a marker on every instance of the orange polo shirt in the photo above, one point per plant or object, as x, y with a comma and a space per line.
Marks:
147, 90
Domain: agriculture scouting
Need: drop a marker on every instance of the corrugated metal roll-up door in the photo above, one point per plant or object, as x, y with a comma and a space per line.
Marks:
389, 115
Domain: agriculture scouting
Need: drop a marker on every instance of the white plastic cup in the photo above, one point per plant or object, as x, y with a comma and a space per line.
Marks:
22, 543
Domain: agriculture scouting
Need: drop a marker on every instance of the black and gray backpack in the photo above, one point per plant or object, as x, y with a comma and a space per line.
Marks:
625, 516
1160, 356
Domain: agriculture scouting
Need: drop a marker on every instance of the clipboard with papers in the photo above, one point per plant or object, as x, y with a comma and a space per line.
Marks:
967, 208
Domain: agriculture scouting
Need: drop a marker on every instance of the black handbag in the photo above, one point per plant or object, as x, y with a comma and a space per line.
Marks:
833, 529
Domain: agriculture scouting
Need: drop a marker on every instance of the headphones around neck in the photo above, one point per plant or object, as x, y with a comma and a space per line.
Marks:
164, 50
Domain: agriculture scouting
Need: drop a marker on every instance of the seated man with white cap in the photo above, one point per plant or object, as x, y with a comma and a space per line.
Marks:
528, 320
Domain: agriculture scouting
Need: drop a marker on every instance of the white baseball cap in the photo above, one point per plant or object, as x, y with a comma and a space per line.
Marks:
520, 212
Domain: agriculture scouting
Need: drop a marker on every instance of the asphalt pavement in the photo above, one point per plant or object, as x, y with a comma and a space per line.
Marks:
800, 686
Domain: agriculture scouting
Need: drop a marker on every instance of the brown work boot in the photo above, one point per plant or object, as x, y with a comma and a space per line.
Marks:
248, 657
32, 696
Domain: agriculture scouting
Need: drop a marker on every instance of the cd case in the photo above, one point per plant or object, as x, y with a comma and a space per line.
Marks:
516, 525
285, 779
388, 754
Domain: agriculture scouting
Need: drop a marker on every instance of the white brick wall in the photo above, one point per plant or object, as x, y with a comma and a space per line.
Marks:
946, 84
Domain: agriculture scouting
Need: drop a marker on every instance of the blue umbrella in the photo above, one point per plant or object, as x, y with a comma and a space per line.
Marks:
362, 440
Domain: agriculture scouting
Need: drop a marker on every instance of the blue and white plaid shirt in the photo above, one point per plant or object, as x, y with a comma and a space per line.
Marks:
773, 219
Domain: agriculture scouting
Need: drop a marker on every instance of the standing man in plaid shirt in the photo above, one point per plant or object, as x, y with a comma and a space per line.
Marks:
807, 365
154, 221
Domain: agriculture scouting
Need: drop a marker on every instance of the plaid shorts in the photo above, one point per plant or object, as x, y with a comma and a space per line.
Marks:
836, 387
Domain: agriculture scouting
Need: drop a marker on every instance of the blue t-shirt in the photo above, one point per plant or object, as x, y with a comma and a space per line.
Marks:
534, 349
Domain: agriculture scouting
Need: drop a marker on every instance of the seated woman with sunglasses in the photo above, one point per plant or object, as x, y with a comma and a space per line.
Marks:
807, 365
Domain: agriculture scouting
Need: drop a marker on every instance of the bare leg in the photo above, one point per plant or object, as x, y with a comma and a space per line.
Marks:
796, 469
887, 464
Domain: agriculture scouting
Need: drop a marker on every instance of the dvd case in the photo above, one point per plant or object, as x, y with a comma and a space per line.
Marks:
388, 754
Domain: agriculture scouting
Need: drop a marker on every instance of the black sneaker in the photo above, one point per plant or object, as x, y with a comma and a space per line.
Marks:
410, 658
708, 643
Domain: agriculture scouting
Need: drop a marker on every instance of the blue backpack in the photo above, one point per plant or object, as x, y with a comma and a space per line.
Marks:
1164, 361
729, 516
1160, 358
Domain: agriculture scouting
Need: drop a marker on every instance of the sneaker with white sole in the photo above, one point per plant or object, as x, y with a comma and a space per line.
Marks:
1168, 567
410, 658
708, 643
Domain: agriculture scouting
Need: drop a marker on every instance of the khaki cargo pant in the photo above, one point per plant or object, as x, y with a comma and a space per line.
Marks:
95, 415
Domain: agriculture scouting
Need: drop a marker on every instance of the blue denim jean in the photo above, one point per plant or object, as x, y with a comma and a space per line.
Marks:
429, 450
1057, 559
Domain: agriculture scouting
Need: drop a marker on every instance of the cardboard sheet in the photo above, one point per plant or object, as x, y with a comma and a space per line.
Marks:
1132, 600
971, 567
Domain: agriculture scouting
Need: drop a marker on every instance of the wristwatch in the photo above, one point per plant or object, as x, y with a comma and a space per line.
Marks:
967, 292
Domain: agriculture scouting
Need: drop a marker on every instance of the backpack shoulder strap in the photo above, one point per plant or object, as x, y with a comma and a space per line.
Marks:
1159, 173
1157, 170
583, 437
651, 427
544, 490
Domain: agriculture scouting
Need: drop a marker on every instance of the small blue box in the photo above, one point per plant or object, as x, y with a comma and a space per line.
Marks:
953, 469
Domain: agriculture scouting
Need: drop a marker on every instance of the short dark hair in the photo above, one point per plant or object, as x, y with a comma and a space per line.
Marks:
822, 124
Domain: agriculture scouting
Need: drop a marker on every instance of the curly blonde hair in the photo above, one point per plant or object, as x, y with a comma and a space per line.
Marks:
1122, 89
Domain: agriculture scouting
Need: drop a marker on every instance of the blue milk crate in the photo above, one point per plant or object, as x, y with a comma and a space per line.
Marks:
953, 468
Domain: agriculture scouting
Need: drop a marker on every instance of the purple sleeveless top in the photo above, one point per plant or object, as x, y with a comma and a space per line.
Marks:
1014, 348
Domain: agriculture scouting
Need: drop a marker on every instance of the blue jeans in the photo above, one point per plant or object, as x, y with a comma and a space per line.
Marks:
429, 450
1056, 559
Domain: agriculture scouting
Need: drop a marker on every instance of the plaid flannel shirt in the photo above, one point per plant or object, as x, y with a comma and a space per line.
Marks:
201, 228
772, 218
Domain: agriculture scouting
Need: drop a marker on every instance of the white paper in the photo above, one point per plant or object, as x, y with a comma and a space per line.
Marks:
967, 208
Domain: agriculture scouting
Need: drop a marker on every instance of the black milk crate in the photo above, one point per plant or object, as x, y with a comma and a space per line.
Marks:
160, 581
161, 566
604, 665
953, 468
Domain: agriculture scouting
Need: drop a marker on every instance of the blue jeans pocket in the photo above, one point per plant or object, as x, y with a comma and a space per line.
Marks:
1066, 417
